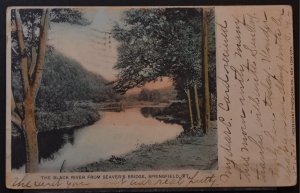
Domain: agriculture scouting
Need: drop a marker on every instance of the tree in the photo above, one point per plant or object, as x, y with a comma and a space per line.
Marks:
29, 49
155, 95
206, 17
149, 95
143, 96
167, 42
157, 43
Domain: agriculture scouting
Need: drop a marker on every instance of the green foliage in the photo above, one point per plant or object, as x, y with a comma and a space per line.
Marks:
161, 42
31, 20
156, 43
65, 80
67, 15
74, 117
164, 42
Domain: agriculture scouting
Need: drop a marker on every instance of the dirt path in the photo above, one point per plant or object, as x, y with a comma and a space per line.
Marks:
182, 153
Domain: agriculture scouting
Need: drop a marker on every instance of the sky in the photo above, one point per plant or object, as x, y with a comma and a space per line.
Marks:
89, 45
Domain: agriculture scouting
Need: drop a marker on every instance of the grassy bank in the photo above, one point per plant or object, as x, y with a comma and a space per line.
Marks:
184, 152
71, 118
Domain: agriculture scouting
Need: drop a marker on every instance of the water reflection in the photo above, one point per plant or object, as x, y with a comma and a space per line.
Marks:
151, 111
115, 133
49, 142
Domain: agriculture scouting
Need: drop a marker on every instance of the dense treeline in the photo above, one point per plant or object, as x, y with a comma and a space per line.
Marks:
149, 95
178, 43
64, 83
65, 80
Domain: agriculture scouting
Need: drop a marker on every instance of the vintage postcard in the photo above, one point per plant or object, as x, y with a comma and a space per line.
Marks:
150, 97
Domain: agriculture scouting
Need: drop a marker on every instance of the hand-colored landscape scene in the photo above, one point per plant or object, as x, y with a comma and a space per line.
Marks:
113, 89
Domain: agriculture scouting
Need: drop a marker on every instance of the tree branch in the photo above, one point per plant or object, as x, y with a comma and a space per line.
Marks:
40, 64
33, 50
33, 62
24, 59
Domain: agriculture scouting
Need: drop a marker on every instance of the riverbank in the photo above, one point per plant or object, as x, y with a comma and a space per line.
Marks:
184, 152
70, 118
55, 129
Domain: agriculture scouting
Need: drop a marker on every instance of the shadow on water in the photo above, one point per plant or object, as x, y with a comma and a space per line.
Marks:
173, 114
49, 143
151, 111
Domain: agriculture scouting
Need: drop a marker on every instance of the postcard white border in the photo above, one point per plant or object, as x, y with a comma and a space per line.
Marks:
203, 178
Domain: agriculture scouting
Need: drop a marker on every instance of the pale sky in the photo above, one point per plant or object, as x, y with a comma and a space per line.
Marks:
88, 45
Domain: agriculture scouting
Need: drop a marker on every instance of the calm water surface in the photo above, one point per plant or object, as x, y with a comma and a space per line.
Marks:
116, 133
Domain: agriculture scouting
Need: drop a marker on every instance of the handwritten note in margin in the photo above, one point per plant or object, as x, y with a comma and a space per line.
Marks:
256, 95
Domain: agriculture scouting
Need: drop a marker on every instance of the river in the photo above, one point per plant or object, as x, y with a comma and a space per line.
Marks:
116, 133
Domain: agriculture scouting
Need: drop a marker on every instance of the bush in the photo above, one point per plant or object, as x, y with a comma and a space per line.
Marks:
75, 117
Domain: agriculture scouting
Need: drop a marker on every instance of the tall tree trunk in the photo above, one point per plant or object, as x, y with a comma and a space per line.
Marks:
190, 107
197, 106
30, 131
40, 60
31, 79
205, 69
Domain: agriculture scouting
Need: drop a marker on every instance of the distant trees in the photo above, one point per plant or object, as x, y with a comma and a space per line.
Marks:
29, 44
167, 42
149, 95
66, 80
